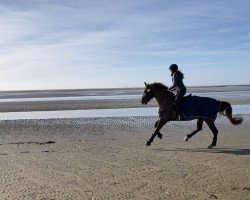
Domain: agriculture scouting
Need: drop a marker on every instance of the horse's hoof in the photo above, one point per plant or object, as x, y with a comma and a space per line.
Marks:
159, 135
186, 139
210, 146
148, 143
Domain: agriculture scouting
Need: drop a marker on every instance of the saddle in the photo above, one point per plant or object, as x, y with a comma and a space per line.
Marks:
184, 98
187, 96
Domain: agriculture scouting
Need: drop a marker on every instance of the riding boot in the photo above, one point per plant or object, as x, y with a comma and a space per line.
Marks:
177, 109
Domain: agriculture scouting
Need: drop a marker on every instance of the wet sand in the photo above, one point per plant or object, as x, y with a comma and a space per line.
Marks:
107, 159
84, 105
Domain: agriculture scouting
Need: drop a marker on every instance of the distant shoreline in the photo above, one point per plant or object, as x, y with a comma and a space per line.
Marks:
44, 105
121, 88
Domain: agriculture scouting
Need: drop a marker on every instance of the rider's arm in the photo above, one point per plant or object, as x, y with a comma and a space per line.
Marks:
174, 82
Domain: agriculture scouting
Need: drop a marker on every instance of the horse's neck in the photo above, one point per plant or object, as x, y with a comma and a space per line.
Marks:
164, 102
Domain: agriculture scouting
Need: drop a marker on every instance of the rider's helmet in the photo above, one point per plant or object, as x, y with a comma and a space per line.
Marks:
173, 67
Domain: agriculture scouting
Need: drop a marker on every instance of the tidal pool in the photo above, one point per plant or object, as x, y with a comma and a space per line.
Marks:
121, 112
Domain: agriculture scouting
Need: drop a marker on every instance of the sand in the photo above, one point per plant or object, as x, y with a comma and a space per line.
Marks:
85, 105
106, 158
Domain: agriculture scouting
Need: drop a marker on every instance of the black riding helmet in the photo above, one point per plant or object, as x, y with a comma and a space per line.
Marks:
173, 67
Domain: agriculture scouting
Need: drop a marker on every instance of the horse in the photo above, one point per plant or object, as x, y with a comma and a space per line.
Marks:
167, 112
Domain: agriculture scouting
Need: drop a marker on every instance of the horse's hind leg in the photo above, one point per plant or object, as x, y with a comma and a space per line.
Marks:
199, 128
160, 124
215, 131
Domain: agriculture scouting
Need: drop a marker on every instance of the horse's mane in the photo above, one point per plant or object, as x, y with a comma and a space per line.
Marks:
162, 87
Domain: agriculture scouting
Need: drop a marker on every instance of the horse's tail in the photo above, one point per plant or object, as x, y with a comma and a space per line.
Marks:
226, 109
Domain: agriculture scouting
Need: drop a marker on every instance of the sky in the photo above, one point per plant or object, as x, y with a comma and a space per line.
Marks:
62, 44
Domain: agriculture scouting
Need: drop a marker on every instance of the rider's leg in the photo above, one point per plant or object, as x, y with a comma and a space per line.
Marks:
177, 102
180, 94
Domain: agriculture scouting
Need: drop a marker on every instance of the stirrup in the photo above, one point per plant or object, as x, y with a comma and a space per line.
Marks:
178, 116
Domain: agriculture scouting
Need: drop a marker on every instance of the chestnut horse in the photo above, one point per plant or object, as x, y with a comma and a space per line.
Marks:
167, 113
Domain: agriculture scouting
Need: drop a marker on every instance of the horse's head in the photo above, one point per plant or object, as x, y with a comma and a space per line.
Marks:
148, 94
159, 91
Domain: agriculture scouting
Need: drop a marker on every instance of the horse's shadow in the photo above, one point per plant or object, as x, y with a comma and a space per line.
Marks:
236, 152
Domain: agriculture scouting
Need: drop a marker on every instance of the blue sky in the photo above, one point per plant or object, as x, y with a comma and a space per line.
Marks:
116, 43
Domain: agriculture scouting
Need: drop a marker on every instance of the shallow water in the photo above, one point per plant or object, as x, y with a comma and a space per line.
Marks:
226, 95
122, 112
82, 98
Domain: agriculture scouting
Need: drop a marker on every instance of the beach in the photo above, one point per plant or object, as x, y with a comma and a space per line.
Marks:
106, 158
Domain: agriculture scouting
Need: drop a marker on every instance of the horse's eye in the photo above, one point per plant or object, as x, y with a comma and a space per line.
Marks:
148, 90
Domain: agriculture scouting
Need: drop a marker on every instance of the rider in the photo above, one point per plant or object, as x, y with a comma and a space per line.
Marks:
178, 85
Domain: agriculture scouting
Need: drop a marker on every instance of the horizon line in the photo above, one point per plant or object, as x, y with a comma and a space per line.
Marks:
113, 88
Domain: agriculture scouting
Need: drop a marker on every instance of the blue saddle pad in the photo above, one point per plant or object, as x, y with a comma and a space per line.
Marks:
194, 106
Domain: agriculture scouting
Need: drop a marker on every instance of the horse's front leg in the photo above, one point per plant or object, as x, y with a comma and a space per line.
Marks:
160, 124
156, 123
158, 134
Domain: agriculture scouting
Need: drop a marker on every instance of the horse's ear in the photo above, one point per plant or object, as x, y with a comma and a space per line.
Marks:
145, 84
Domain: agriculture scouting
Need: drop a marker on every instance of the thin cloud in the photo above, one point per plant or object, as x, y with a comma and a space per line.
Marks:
77, 38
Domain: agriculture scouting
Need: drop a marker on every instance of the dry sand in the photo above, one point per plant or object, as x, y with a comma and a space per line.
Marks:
107, 159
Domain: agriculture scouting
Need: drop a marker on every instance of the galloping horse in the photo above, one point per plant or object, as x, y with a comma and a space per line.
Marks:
167, 113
